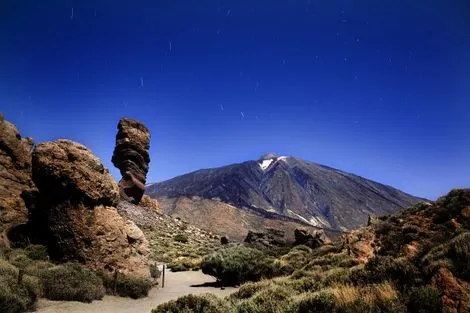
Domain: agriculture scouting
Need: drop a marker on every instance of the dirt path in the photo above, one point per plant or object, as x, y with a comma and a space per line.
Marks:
176, 285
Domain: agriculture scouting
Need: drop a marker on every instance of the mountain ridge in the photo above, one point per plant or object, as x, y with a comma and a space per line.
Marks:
313, 193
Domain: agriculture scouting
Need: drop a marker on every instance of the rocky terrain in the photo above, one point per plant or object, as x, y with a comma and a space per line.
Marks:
15, 178
275, 187
60, 195
227, 220
171, 240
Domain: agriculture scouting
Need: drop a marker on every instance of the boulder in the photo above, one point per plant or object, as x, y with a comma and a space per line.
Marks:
131, 157
75, 211
224, 240
312, 240
360, 244
268, 239
15, 178
64, 170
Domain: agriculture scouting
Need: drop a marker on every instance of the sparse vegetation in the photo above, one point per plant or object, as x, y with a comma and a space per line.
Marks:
405, 275
177, 243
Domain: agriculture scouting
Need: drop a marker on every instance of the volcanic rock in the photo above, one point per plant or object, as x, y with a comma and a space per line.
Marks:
131, 157
267, 239
15, 177
360, 244
312, 240
76, 211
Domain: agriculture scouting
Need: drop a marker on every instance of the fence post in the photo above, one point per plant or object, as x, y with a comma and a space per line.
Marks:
115, 281
163, 277
20, 276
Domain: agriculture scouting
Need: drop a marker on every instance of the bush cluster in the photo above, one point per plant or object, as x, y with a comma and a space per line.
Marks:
40, 277
207, 303
126, 286
181, 238
72, 282
16, 296
234, 265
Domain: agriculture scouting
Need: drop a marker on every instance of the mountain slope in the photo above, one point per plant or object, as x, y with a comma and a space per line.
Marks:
316, 194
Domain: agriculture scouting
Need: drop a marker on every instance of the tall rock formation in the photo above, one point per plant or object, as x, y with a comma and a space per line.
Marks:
131, 157
15, 177
75, 212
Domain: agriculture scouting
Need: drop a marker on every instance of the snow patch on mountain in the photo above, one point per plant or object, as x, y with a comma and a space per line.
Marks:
265, 164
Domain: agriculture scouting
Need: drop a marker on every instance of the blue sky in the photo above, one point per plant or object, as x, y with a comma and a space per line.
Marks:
376, 88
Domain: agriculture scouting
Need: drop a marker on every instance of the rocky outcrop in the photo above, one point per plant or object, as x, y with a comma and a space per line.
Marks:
360, 244
269, 238
75, 211
312, 240
15, 177
131, 157
150, 203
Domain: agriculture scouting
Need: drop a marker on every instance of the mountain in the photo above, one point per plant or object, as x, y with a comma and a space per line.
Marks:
279, 187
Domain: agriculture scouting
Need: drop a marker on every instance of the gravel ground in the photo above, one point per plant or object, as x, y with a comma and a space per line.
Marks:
176, 285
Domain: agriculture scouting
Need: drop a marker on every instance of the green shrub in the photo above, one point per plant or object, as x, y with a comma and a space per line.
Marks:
275, 299
295, 259
424, 300
19, 259
37, 252
332, 260
181, 238
302, 248
314, 303
7, 269
237, 264
126, 286
337, 276
299, 274
451, 205
72, 282
305, 284
207, 303
179, 267
380, 269
249, 289
155, 271
14, 297
454, 255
